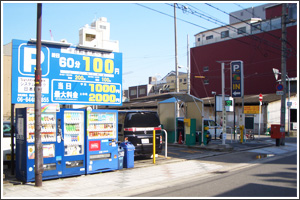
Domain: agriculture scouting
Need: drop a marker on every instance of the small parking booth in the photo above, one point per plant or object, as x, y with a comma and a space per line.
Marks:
181, 106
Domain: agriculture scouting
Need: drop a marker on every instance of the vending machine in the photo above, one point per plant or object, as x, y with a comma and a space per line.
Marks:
25, 147
102, 134
71, 128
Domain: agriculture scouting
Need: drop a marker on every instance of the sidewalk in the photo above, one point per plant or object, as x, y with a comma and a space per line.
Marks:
230, 144
124, 182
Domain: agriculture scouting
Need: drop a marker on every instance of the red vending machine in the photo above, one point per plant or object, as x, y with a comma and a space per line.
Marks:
102, 147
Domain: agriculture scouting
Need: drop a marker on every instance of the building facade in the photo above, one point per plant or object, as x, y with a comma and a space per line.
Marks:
98, 35
256, 42
254, 37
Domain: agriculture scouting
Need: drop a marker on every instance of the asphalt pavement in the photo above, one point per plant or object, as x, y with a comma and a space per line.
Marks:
145, 175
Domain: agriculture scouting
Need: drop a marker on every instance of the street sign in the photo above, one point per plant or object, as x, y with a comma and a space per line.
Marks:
70, 74
237, 79
228, 102
260, 97
279, 92
279, 87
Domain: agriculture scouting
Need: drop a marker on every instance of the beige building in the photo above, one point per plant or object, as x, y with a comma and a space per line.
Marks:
183, 82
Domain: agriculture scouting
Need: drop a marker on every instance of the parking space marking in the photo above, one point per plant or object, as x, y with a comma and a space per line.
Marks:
190, 151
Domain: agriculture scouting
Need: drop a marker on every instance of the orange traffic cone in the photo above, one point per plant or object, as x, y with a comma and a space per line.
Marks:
180, 138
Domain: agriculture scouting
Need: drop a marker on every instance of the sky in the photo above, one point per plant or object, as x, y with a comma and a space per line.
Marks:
145, 31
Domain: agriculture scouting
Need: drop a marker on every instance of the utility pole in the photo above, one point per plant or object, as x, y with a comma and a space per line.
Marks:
176, 77
38, 161
188, 67
176, 61
283, 69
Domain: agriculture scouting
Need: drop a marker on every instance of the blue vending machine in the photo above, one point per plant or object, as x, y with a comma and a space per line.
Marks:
25, 147
102, 135
71, 126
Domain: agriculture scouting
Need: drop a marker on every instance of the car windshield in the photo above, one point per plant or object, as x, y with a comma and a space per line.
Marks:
212, 123
142, 119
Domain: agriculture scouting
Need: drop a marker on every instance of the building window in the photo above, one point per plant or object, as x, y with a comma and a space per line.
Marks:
90, 37
255, 28
209, 37
102, 27
198, 39
206, 82
172, 81
132, 92
185, 80
180, 80
276, 23
242, 30
206, 69
142, 91
224, 34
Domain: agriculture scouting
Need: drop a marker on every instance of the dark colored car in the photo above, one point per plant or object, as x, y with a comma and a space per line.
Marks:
136, 126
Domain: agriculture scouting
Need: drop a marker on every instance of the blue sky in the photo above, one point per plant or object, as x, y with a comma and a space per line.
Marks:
146, 37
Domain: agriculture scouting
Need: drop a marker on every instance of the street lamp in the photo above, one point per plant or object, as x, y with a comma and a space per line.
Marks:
276, 72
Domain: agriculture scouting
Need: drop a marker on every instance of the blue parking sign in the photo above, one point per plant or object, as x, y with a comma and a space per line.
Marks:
237, 79
70, 75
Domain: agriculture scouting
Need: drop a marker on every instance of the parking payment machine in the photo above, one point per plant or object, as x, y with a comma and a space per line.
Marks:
190, 131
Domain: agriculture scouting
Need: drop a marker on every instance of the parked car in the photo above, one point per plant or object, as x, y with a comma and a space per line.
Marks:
136, 126
212, 127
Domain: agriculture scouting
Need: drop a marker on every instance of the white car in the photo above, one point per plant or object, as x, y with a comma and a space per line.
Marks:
213, 128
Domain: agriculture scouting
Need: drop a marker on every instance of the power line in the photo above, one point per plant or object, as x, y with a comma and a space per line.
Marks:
185, 9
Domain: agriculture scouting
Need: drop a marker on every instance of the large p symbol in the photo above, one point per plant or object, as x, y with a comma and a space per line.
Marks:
29, 61
236, 68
